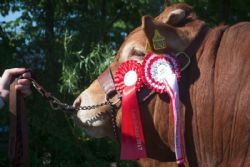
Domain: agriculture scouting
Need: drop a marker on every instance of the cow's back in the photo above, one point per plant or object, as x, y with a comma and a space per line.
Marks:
220, 98
232, 103
216, 101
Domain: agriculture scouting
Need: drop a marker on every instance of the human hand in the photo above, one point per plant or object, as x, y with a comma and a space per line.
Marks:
22, 84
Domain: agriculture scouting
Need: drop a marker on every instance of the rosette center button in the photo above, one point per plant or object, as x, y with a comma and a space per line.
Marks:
163, 71
130, 78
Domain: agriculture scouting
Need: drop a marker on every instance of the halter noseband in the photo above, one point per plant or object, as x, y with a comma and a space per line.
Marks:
106, 81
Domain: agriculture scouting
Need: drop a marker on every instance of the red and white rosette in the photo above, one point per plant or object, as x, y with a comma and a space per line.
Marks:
161, 73
128, 80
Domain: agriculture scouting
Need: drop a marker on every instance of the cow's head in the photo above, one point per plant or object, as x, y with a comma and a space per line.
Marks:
179, 26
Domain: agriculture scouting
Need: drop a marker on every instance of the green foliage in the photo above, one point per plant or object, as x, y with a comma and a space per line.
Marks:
215, 12
75, 64
68, 43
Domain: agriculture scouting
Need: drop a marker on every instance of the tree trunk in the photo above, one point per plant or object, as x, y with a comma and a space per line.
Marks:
103, 29
49, 49
225, 10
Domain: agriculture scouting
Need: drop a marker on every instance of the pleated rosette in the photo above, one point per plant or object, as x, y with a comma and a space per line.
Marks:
155, 67
128, 73
128, 81
161, 73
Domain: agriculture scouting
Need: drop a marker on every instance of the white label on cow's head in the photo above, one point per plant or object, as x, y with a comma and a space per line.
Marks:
130, 78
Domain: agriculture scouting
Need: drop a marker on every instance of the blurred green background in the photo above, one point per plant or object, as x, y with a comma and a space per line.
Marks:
67, 44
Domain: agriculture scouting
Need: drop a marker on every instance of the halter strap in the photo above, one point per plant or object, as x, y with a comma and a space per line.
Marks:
107, 83
18, 138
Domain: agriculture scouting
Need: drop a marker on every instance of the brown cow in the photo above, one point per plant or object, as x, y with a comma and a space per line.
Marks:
214, 92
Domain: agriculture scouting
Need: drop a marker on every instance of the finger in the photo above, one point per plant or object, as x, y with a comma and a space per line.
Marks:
26, 75
14, 71
7, 75
23, 89
23, 82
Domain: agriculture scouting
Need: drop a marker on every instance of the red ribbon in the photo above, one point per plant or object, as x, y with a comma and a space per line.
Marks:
132, 138
133, 144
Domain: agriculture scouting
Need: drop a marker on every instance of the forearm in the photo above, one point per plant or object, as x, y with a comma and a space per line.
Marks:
2, 103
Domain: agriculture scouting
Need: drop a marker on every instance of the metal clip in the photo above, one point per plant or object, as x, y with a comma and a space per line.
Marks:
186, 56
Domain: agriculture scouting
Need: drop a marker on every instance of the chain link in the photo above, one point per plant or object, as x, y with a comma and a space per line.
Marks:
56, 104
92, 106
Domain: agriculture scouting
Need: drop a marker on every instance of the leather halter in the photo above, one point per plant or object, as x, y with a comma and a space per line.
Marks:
18, 138
107, 83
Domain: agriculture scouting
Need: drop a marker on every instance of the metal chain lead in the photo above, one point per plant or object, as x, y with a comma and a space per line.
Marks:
56, 104
113, 121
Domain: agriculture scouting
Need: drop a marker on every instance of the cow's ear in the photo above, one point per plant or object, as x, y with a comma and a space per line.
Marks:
175, 17
148, 27
158, 34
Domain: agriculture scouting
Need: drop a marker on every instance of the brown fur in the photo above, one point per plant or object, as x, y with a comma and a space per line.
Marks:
214, 94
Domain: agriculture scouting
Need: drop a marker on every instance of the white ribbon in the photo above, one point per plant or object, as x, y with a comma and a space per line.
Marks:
166, 75
173, 92
163, 77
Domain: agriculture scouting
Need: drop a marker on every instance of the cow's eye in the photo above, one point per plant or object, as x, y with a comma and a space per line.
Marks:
138, 53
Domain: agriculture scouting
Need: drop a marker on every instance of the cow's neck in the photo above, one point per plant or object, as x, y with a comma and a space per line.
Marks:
196, 93
195, 45
157, 116
157, 128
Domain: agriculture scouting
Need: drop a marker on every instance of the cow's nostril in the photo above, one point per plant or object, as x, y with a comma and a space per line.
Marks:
77, 102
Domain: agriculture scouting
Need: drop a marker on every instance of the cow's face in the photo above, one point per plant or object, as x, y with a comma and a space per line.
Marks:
97, 122
178, 25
